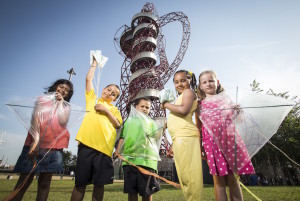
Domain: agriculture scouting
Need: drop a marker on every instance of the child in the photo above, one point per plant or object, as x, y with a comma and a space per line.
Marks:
185, 136
219, 138
96, 138
139, 148
45, 140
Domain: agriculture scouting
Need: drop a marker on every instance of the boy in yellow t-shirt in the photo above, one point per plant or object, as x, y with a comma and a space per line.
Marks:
96, 138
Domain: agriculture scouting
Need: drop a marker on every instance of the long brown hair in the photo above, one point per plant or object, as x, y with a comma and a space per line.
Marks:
200, 93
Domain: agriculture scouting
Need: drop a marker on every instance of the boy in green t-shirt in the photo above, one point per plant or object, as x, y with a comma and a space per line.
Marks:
138, 140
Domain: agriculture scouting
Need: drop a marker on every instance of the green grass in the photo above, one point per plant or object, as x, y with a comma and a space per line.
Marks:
61, 190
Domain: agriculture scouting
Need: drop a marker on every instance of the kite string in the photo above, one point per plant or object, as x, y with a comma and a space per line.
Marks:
144, 171
238, 179
97, 82
284, 154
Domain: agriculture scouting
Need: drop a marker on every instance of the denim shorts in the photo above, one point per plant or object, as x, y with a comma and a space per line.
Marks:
46, 162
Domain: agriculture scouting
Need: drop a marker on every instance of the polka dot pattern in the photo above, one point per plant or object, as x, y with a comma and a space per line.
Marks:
223, 146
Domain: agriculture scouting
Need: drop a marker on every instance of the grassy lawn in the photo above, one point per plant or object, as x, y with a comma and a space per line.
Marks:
61, 190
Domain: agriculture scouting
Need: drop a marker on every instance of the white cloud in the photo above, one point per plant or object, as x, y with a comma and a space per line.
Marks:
278, 74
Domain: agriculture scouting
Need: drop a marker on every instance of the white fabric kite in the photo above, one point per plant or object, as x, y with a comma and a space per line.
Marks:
101, 61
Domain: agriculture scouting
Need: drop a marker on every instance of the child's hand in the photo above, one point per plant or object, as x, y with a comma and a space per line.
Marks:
33, 151
162, 105
58, 96
239, 113
94, 62
100, 109
170, 152
237, 108
115, 155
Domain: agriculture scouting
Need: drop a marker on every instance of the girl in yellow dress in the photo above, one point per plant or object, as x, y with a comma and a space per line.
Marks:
185, 136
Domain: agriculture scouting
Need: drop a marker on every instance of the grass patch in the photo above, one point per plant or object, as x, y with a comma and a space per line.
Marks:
61, 190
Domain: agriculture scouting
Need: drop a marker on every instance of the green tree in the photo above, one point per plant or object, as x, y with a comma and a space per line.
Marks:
69, 159
255, 86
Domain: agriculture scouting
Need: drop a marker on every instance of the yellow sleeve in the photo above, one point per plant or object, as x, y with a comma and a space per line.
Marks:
117, 114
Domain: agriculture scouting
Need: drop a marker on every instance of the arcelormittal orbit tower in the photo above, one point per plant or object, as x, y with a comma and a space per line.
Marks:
146, 69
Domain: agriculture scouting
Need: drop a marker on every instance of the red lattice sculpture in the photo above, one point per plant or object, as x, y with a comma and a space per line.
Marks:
145, 69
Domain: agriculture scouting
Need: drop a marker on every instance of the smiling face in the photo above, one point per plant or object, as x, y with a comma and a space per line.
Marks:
110, 93
208, 84
144, 106
63, 90
181, 82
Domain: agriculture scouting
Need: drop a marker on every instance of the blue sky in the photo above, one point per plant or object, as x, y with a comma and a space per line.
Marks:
41, 40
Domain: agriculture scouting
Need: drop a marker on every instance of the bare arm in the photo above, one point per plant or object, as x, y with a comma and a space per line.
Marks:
103, 110
187, 103
90, 76
121, 140
199, 126
63, 110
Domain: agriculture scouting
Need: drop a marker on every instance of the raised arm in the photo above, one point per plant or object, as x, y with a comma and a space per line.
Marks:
90, 76
187, 103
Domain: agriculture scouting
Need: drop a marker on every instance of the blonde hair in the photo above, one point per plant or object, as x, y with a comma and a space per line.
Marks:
200, 93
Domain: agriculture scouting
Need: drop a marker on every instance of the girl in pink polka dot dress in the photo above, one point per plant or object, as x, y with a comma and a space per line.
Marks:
225, 150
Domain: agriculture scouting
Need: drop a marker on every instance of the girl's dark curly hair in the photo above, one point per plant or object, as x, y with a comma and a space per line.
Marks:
53, 87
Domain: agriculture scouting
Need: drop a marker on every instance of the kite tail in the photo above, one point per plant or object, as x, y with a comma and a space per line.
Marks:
13, 194
238, 179
142, 170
